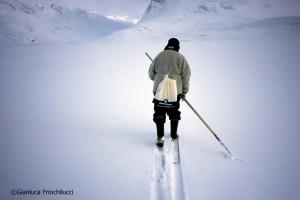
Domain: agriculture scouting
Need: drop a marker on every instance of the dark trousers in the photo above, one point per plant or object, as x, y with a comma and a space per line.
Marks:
159, 117
163, 108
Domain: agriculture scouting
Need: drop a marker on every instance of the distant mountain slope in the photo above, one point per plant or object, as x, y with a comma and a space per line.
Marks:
188, 8
35, 23
187, 19
275, 21
207, 19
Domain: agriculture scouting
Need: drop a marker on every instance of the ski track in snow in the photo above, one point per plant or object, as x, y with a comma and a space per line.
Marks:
167, 181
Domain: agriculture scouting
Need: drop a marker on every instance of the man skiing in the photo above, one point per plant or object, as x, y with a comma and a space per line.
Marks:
171, 74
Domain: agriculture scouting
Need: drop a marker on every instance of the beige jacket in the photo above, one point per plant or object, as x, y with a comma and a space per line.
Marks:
173, 64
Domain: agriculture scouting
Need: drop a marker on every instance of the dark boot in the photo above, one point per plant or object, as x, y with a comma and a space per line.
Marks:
160, 134
160, 129
160, 142
174, 126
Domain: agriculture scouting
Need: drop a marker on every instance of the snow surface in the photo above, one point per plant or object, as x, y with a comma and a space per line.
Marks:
36, 23
79, 116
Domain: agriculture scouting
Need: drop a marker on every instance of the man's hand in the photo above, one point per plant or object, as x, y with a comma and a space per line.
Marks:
181, 96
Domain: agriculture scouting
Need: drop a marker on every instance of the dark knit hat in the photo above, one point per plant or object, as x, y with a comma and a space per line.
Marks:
173, 44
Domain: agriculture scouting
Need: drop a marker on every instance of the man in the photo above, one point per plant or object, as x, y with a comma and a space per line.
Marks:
171, 74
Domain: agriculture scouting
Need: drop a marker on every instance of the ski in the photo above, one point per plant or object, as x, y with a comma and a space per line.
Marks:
175, 151
160, 180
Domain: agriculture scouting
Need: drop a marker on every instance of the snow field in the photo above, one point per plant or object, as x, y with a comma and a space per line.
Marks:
80, 117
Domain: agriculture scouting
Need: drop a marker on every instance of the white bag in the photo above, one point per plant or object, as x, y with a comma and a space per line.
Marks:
167, 90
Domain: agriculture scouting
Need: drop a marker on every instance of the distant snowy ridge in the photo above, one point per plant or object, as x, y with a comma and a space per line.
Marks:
274, 21
36, 23
187, 19
192, 8
207, 19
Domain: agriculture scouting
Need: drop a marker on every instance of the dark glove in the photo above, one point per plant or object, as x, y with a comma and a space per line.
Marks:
181, 96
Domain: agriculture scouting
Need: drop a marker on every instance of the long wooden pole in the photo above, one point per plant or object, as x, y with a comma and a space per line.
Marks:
206, 125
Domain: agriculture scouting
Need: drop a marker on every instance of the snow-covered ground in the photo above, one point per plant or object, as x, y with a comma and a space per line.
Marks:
79, 116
